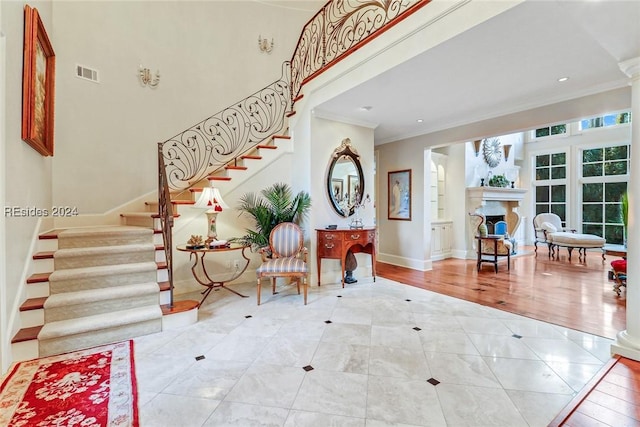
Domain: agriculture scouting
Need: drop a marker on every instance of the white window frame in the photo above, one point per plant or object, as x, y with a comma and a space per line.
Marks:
581, 180
551, 182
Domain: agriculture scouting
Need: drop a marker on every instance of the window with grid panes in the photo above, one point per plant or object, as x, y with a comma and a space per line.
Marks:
606, 120
551, 184
550, 131
605, 172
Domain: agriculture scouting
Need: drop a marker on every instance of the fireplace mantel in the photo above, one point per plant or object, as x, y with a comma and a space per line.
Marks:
489, 201
496, 193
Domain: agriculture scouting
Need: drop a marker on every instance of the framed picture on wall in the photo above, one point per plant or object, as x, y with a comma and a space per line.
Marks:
353, 184
399, 195
38, 83
338, 188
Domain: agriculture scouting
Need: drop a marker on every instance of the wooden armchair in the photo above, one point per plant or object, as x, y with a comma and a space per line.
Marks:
490, 247
288, 257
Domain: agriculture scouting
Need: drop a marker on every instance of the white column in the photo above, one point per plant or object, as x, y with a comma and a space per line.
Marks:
627, 342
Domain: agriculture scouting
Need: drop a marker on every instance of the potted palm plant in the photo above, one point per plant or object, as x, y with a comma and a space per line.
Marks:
273, 205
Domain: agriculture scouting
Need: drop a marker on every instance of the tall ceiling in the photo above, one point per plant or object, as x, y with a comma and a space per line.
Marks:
508, 64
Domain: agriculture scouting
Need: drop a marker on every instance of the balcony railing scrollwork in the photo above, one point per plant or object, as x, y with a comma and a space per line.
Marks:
216, 141
341, 27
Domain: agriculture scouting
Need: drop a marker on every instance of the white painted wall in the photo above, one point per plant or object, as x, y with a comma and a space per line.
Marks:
27, 175
208, 58
4, 354
326, 136
405, 242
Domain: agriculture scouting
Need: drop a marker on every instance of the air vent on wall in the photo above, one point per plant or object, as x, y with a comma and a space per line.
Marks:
87, 73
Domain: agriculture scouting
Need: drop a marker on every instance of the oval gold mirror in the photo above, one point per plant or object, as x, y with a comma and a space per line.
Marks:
345, 180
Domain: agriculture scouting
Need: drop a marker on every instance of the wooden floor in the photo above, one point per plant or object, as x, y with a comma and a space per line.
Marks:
576, 294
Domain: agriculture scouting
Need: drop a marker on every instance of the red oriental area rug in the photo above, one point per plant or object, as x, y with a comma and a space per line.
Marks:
93, 387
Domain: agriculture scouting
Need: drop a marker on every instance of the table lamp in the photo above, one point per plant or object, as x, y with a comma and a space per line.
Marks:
211, 200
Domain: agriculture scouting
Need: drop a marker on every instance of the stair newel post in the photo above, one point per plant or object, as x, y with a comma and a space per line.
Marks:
166, 218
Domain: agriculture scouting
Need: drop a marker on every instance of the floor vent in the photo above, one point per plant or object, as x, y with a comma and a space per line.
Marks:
87, 73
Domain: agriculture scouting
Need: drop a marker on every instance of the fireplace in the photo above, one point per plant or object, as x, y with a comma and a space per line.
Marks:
491, 220
495, 204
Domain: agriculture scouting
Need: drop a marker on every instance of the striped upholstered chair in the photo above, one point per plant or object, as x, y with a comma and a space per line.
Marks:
288, 258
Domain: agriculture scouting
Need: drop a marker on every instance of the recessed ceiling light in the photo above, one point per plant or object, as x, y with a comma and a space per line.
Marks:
366, 108
419, 120
563, 79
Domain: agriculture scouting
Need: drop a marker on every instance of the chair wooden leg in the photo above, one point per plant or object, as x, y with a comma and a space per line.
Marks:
305, 285
258, 291
273, 286
298, 279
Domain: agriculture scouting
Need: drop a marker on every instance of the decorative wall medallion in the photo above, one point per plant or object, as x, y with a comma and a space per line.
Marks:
491, 152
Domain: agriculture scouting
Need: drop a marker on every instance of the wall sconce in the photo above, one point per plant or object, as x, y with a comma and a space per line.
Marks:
507, 149
147, 78
476, 146
264, 44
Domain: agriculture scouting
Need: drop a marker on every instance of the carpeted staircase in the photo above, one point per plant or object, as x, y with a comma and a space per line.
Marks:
103, 289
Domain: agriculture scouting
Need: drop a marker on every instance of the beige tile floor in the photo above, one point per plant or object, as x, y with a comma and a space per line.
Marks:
382, 354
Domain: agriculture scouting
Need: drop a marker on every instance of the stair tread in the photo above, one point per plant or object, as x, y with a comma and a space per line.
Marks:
103, 294
251, 157
219, 178
39, 302
60, 328
99, 250
179, 307
173, 202
108, 230
38, 278
105, 270
52, 234
281, 137
44, 255
238, 168
144, 214
164, 286
26, 334
33, 304
268, 147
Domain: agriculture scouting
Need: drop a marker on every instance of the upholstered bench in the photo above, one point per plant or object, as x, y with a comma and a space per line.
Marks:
574, 240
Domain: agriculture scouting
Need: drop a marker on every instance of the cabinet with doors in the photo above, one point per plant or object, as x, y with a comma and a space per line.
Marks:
441, 236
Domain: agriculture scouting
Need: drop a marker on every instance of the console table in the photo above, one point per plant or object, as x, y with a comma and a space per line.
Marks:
335, 244
197, 256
